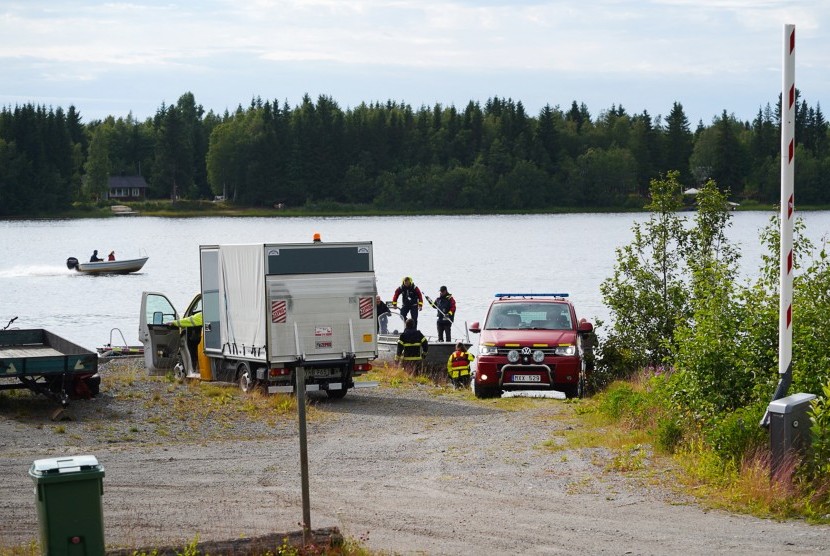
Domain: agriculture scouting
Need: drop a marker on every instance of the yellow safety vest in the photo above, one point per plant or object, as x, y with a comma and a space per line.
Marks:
458, 365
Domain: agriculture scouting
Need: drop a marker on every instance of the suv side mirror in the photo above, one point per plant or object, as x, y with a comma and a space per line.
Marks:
585, 327
475, 328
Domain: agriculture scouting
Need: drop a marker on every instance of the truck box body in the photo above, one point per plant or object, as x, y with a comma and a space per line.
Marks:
289, 302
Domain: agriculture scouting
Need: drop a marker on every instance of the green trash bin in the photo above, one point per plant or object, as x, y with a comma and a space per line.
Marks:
69, 506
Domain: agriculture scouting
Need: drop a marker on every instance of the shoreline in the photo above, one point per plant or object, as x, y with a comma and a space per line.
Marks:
199, 210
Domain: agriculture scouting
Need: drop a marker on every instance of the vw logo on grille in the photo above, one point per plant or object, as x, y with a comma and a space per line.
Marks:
525, 351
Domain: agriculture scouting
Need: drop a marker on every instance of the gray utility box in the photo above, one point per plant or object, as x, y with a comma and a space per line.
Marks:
789, 432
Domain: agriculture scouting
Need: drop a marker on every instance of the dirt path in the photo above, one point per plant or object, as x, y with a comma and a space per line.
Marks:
413, 470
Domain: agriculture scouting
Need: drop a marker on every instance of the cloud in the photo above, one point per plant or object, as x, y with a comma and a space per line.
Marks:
678, 42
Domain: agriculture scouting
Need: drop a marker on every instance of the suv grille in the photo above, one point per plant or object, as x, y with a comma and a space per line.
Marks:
546, 351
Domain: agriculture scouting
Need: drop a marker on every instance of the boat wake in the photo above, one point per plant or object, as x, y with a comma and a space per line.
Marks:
33, 270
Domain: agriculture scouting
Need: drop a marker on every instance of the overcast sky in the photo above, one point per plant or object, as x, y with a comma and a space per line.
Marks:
113, 58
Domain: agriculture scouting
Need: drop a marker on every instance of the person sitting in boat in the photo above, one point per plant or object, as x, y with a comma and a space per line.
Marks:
94, 258
458, 366
412, 346
111, 256
383, 312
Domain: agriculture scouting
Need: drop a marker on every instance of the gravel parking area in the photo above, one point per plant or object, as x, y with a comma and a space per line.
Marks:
407, 470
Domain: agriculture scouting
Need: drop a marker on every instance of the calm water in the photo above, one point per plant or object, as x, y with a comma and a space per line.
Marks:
474, 256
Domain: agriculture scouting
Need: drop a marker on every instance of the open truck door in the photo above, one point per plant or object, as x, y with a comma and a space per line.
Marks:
161, 342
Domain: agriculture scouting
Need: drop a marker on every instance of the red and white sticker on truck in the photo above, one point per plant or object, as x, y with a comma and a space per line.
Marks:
278, 312
366, 305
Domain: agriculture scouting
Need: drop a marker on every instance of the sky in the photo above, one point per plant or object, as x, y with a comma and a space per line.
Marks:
114, 58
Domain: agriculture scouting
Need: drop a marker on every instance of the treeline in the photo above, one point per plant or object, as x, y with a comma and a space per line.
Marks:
391, 156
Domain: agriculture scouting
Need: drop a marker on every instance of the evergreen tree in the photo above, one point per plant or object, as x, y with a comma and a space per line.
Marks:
678, 144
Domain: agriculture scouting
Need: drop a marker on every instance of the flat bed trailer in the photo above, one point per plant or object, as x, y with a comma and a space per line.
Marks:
47, 364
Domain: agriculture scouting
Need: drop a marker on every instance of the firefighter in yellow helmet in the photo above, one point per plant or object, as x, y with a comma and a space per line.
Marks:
411, 299
458, 366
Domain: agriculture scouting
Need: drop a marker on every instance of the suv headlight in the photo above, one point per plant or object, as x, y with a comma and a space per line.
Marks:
566, 350
487, 350
513, 356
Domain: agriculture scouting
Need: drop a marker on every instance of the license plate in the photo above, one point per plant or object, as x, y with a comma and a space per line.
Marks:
321, 373
527, 378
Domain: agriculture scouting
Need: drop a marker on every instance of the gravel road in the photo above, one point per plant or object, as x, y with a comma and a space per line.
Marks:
409, 470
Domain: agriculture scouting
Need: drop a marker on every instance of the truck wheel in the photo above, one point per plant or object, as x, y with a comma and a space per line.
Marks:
247, 382
178, 368
336, 394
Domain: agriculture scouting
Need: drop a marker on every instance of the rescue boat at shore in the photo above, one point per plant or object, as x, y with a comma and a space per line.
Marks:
434, 363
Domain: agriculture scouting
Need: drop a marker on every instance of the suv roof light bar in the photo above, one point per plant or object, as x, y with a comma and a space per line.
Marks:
531, 295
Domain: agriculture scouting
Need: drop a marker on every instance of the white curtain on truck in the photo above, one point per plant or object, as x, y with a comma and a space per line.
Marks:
242, 297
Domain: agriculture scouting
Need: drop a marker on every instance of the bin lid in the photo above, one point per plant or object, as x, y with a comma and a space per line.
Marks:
72, 464
790, 403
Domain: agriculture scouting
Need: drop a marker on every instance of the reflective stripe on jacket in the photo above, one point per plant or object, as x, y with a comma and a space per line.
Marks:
188, 322
412, 345
458, 365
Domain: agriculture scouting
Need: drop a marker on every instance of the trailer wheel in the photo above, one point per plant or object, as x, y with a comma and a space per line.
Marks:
336, 394
245, 378
93, 383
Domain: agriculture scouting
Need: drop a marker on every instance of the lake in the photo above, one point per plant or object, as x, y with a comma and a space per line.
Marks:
474, 256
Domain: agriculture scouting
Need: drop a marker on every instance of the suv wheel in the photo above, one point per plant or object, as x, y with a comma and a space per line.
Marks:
482, 392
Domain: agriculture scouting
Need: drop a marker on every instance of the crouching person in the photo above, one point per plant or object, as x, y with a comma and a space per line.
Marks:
458, 366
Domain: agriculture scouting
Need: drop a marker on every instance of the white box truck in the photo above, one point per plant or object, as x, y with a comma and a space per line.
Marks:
266, 309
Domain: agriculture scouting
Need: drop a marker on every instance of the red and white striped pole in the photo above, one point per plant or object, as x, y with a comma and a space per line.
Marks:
785, 306
785, 313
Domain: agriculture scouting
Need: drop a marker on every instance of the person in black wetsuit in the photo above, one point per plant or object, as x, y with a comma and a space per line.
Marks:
412, 346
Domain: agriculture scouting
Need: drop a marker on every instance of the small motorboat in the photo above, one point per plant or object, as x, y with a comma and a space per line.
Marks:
123, 266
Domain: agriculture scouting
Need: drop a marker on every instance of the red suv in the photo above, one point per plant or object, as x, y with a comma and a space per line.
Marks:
531, 341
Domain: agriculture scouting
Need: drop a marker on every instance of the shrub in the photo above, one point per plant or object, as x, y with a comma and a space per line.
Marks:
737, 434
818, 456
669, 433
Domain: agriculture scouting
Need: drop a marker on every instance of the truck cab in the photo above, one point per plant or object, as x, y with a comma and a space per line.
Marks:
531, 341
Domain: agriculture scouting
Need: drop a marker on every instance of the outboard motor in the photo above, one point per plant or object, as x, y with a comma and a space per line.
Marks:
71, 263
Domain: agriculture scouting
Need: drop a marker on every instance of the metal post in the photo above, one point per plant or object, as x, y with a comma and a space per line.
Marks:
300, 375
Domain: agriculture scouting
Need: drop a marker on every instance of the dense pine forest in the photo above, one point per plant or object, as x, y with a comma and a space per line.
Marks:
389, 156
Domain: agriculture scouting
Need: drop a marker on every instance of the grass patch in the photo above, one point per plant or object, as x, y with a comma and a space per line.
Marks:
723, 465
394, 376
